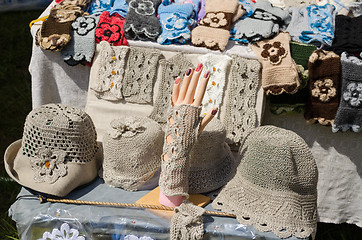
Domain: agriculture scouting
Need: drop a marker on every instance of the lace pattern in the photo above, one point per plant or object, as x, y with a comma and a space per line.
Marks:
170, 70
240, 111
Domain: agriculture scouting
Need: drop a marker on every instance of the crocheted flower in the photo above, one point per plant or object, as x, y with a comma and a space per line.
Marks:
108, 32
216, 20
84, 25
49, 165
127, 128
65, 233
66, 13
324, 90
353, 94
273, 52
266, 16
53, 42
142, 7
175, 22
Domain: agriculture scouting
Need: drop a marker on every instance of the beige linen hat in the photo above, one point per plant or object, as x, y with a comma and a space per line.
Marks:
57, 152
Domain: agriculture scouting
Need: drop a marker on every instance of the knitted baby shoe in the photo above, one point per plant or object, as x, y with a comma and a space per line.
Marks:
141, 21
97, 7
82, 45
175, 21
279, 72
349, 114
110, 29
324, 68
120, 7
214, 29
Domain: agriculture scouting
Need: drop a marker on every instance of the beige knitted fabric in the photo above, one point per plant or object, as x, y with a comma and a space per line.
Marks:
240, 112
132, 149
170, 70
182, 126
187, 222
279, 72
275, 186
212, 163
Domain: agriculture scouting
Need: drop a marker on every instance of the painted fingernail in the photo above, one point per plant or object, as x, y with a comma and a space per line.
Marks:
199, 66
214, 111
207, 74
188, 72
177, 81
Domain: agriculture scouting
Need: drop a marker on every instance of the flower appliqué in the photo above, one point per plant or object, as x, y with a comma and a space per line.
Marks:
108, 32
49, 165
142, 7
216, 20
353, 94
64, 233
324, 90
125, 128
83, 25
175, 22
274, 52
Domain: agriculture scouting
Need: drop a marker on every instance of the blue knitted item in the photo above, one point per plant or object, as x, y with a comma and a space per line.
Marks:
196, 7
120, 7
96, 7
175, 21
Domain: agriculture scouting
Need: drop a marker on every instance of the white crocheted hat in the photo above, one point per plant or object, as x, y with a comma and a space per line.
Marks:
275, 186
212, 163
57, 152
132, 152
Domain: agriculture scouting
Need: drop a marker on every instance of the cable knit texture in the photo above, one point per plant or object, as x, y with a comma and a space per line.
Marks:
279, 72
109, 80
140, 74
170, 70
349, 114
132, 149
218, 66
187, 222
182, 127
240, 110
275, 186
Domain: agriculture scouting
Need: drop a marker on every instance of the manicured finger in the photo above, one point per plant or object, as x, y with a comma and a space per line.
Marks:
176, 90
202, 88
209, 116
189, 98
185, 85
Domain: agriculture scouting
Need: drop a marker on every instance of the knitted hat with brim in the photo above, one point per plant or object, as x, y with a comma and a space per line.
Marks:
212, 163
58, 151
275, 186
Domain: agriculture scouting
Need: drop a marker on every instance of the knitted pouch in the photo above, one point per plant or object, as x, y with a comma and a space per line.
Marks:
349, 114
324, 73
110, 29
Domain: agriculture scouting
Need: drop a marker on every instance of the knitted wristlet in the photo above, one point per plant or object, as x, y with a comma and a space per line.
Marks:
141, 21
324, 70
120, 7
182, 127
110, 29
349, 114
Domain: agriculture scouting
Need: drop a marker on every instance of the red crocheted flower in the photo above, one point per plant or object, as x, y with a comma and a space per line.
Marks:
108, 32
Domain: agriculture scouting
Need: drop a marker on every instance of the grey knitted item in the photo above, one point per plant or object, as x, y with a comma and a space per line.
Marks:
183, 124
81, 47
298, 23
187, 222
356, 8
170, 70
141, 21
349, 113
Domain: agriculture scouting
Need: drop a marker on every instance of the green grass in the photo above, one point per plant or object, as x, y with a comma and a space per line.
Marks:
15, 98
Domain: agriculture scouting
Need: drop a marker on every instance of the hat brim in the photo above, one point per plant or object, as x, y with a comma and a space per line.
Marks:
19, 168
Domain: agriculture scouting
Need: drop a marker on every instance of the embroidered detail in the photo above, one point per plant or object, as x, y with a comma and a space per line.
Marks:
175, 22
65, 233
215, 20
49, 165
84, 25
274, 52
108, 32
128, 128
324, 90
353, 94
142, 7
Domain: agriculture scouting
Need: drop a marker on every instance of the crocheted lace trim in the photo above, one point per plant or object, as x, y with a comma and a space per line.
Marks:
241, 115
140, 74
170, 70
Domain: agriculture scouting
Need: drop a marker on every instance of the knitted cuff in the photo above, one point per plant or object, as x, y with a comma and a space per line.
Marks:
324, 73
141, 21
120, 7
82, 45
181, 131
174, 19
214, 29
110, 29
349, 114
301, 53
187, 222
279, 72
